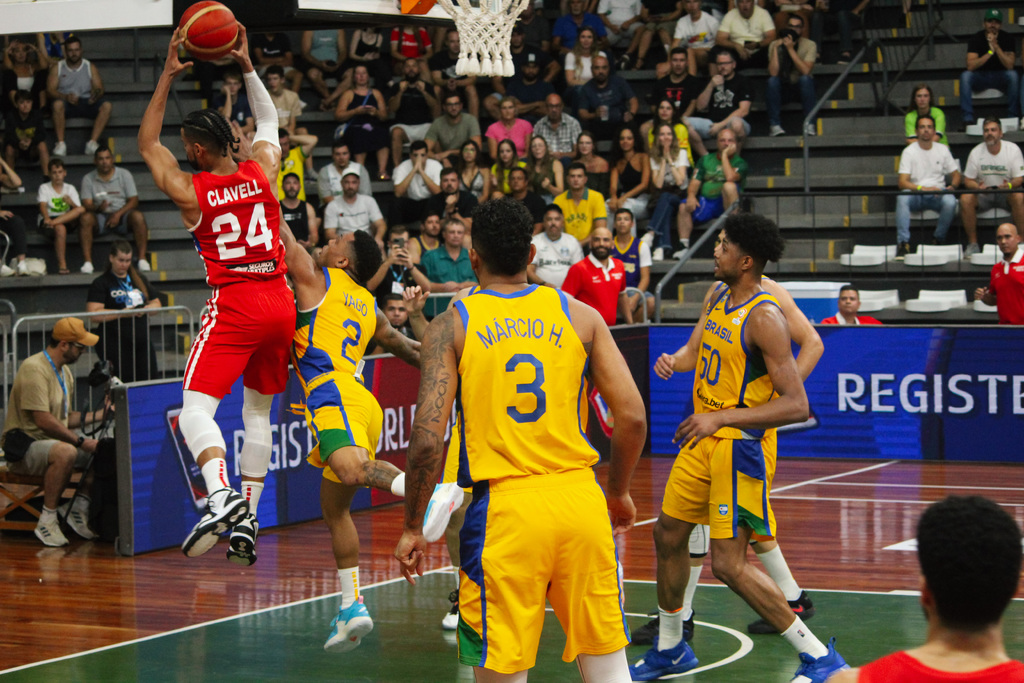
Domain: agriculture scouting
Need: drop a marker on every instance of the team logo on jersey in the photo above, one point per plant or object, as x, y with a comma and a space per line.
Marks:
723, 510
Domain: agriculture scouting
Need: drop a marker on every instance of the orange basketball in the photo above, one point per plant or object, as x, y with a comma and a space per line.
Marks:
209, 29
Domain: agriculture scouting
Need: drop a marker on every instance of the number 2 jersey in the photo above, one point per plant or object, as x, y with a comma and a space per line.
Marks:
238, 230
521, 390
729, 374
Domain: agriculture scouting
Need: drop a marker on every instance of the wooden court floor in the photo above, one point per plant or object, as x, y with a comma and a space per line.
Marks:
163, 617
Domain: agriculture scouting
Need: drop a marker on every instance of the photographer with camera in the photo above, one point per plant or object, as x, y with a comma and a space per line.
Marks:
395, 273
40, 436
790, 62
125, 339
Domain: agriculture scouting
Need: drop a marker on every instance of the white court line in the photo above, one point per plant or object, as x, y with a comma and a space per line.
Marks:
204, 624
877, 500
924, 486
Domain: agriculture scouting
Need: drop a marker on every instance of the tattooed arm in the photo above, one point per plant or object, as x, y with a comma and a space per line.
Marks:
425, 455
394, 342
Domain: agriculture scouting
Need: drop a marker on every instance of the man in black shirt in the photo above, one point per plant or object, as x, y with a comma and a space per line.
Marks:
451, 202
275, 48
412, 101
446, 81
534, 204
725, 100
991, 63
521, 49
25, 133
299, 214
395, 273
526, 86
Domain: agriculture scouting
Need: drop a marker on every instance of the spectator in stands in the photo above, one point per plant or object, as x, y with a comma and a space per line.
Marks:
526, 87
668, 177
233, 102
25, 133
920, 105
598, 170
399, 316
522, 51
1006, 284
26, 66
449, 132
329, 182
410, 42
923, 169
60, 210
840, 15
416, 180
451, 201
556, 251
298, 213
429, 238
631, 176
584, 209
364, 113
124, 340
665, 113
473, 178
395, 273
275, 49
13, 226
991, 63
519, 189
111, 202
447, 268
790, 62
546, 174
659, 17
412, 102
961, 541
504, 163
39, 407
296, 156
679, 86
995, 164
324, 55
726, 100
509, 127
635, 255
622, 23
600, 280
606, 102
353, 211
446, 81
75, 90
849, 306
579, 64
716, 185
535, 29
746, 31
559, 130
696, 32
567, 27
366, 48
287, 102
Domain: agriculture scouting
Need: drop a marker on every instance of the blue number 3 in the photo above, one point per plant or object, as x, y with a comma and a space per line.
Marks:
351, 341
533, 387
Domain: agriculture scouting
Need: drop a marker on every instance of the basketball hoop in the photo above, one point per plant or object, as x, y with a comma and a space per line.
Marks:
485, 34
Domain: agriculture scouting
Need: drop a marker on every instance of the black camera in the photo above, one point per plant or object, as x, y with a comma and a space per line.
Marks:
101, 373
793, 35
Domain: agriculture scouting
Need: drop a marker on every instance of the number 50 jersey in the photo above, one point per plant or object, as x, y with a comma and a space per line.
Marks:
237, 233
521, 387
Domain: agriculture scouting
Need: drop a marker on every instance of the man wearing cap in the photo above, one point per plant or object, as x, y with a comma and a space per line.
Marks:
39, 436
521, 49
990, 64
353, 211
526, 86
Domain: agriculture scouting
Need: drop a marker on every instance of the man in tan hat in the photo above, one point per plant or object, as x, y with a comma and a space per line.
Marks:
47, 443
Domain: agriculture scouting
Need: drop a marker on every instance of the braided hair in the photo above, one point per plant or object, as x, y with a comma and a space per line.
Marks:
210, 129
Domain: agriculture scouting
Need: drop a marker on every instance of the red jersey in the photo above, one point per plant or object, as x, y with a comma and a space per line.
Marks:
861, 320
900, 667
1007, 283
596, 286
237, 234
411, 45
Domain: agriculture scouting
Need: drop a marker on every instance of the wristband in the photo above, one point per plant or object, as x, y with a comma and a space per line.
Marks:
990, 51
1009, 185
81, 440
919, 187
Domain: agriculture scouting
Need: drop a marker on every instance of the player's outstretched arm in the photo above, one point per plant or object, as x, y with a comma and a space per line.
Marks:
266, 150
685, 359
425, 456
801, 329
396, 343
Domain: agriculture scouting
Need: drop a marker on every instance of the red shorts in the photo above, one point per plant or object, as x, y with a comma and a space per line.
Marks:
247, 331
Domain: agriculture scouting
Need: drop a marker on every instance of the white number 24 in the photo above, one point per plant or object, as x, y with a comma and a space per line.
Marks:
256, 235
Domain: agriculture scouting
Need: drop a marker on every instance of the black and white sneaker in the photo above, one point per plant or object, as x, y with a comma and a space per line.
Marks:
802, 607
224, 509
451, 620
646, 634
242, 546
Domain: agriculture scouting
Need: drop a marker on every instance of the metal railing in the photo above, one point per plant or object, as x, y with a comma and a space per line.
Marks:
893, 24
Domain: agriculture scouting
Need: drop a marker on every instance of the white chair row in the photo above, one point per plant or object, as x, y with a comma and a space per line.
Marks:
926, 255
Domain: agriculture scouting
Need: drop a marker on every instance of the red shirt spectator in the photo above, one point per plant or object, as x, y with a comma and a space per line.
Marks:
411, 45
849, 306
858, 320
1006, 284
599, 280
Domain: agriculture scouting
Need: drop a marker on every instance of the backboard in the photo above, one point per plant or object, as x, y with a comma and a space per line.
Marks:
32, 16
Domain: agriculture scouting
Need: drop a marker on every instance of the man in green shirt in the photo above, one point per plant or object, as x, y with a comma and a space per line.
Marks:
719, 179
447, 269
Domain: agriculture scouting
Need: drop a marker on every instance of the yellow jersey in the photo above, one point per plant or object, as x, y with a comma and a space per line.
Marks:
521, 401
728, 374
332, 336
579, 218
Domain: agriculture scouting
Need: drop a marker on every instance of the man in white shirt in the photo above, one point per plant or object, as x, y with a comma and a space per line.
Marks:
417, 179
621, 20
329, 182
353, 211
748, 30
556, 251
696, 31
995, 164
924, 166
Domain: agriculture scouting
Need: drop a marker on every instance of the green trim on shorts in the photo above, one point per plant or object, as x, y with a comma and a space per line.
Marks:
752, 521
331, 440
471, 645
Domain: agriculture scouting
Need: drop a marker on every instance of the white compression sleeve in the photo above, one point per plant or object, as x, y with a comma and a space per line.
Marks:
263, 110
256, 449
197, 424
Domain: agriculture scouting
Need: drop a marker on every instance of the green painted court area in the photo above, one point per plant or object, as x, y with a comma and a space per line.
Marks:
407, 644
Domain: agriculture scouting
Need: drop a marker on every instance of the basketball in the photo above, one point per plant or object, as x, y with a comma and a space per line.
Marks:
209, 29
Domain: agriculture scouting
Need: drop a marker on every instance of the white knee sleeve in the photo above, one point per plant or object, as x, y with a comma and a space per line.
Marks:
197, 424
256, 449
700, 539
610, 668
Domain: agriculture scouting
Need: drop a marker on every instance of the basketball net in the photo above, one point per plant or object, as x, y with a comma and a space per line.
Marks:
485, 35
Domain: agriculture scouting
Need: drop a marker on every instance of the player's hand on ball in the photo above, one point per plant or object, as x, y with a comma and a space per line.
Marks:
409, 553
694, 428
173, 66
241, 52
664, 367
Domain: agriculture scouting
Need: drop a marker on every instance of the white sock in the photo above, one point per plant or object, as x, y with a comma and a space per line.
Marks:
670, 628
47, 515
777, 568
691, 588
349, 585
802, 640
81, 504
252, 490
398, 485
215, 473
685, 243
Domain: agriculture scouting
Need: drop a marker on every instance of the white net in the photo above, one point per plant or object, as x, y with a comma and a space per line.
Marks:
484, 35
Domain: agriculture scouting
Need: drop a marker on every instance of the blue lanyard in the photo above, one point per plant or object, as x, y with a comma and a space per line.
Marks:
63, 387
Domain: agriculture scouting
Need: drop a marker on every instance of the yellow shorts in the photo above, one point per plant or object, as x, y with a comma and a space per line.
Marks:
341, 412
530, 538
723, 483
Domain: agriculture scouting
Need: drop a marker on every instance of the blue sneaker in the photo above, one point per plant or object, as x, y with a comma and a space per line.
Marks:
657, 663
349, 627
817, 670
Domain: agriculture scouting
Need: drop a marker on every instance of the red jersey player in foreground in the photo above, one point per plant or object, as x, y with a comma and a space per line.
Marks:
1006, 285
961, 541
232, 211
